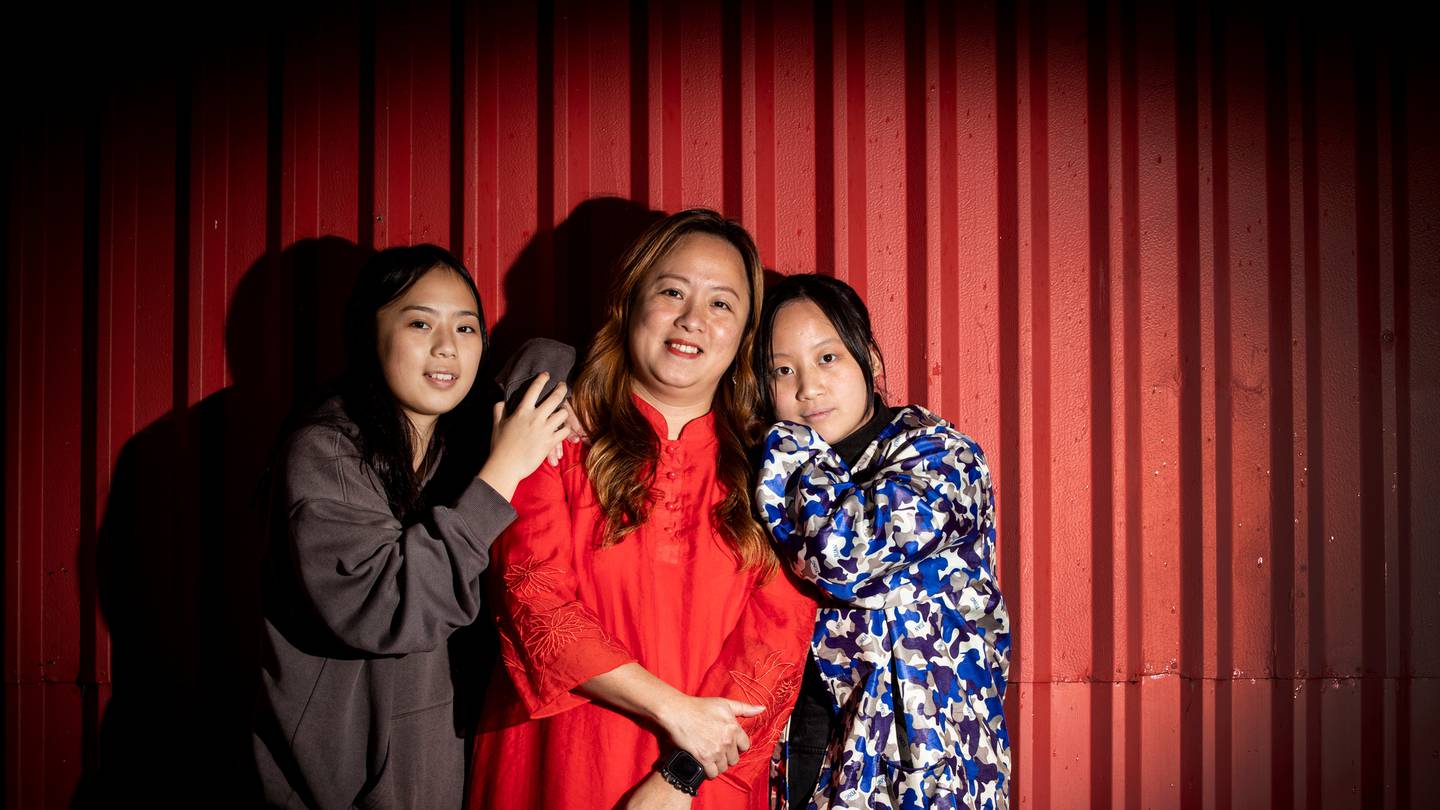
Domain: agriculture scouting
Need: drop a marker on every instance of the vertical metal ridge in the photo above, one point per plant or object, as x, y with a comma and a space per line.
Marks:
856, 180
1011, 464
1041, 526
1224, 430
89, 430
732, 166
1315, 421
947, 217
545, 124
1371, 464
824, 138
916, 204
766, 225
672, 101
640, 101
1191, 507
1134, 476
1101, 373
1400, 221
456, 237
365, 193
1281, 461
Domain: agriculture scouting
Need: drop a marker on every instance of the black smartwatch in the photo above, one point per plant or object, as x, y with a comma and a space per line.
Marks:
682, 771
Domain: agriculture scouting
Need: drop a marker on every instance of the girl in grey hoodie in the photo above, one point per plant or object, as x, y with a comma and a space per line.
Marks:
365, 578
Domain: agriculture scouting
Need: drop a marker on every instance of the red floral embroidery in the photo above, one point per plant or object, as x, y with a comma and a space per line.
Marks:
753, 685
772, 722
614, 645
511, 660
524, 578
546, 633
772, 683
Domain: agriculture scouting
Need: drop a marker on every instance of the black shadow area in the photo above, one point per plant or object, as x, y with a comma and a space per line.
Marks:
557, 288
177, 554
558, 285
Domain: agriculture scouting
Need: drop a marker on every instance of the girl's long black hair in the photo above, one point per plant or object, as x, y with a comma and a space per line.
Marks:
839, 302
383, 434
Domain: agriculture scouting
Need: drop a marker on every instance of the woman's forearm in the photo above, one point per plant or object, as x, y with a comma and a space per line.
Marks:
705, 727
632, 688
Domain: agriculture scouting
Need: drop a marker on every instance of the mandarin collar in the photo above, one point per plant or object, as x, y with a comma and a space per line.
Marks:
697, 432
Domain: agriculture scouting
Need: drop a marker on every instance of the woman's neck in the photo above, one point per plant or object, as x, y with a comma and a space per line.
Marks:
421, 431
678, 412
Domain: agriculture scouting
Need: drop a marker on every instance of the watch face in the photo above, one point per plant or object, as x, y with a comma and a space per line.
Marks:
686, 768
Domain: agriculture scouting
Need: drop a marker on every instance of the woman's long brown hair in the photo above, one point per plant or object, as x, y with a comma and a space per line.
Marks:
624, 448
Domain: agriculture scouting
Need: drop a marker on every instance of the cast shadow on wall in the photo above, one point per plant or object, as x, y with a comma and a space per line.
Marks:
177, 554
177, 557
556, 288
568, 302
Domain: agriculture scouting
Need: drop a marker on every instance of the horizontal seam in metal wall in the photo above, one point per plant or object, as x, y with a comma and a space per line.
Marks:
1157, 676
1235, 679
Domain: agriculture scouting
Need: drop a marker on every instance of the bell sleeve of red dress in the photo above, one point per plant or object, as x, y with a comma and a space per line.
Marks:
549, 641
762, 663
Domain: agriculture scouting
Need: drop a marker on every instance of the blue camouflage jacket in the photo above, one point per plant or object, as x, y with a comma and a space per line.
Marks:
904, 544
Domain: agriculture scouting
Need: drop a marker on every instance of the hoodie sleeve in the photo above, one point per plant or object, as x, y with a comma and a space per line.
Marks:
381, 587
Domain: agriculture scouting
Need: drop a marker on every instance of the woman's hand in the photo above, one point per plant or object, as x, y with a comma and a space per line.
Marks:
577, 433
522, 440
703, 726
654, 793
707, 729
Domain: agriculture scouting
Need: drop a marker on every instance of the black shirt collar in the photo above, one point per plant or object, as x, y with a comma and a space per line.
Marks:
852, 447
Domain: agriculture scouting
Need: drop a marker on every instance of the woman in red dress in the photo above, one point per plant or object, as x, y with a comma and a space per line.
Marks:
645, 626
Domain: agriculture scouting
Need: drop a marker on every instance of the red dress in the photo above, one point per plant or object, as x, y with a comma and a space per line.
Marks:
668, 596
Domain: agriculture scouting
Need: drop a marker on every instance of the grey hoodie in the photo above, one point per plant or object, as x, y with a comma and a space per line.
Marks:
356, 705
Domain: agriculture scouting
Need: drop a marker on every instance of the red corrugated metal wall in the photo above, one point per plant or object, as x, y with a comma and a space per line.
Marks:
1175, 269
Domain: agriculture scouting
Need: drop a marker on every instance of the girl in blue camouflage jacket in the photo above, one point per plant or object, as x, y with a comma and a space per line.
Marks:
891, 513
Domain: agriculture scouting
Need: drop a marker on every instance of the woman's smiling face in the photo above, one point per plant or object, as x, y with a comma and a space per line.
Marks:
814, 378
689, 316
429, 345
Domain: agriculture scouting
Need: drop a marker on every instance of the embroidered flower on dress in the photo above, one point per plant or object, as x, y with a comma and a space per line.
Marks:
775, 695
551, 630
511, 660
524, 578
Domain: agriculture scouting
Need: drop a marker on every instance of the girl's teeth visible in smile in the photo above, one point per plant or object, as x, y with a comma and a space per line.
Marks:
681, 347
442, 377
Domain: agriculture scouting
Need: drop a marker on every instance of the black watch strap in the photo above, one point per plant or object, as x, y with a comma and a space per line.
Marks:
682, 771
